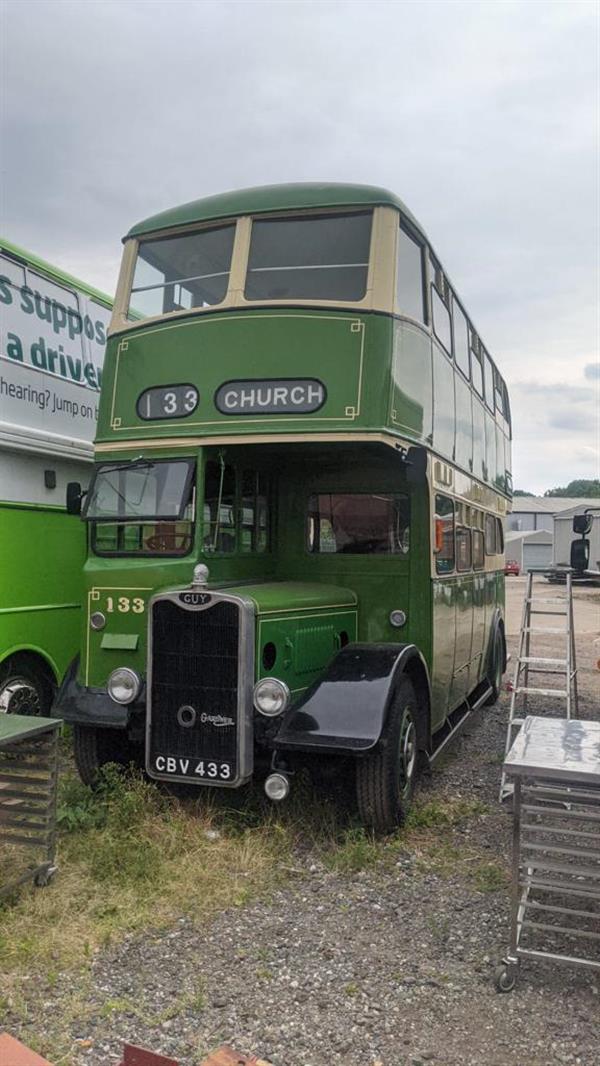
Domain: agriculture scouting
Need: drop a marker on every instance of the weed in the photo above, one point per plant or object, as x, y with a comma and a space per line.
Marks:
437, 814
357, 850
351, 989
489, 877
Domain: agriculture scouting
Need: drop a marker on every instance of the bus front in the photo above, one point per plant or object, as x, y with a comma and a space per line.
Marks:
249, 523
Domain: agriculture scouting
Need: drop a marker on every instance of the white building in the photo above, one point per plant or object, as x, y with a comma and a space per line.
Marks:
539, 530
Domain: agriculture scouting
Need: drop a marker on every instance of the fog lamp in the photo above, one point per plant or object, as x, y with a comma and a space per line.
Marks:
271, 696
277, 787
123, 685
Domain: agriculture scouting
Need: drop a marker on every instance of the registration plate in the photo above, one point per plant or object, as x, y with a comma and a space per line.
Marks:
195, 769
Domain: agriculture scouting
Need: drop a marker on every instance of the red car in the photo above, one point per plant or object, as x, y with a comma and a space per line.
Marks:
512, 567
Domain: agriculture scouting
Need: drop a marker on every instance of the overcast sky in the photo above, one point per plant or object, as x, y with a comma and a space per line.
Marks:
482, 117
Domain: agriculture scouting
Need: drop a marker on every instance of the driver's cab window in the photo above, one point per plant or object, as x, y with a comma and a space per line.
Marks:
219, 508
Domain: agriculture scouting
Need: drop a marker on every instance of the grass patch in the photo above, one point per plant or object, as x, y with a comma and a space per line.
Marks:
489, 877
439, 814
133, 858
356, 850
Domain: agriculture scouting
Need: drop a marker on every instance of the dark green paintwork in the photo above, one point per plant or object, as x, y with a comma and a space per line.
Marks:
264, 199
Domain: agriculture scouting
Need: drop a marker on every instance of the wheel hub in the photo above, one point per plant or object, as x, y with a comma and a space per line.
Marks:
408, 750
19, 696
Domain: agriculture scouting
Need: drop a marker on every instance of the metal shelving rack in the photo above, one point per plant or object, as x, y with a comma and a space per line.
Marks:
28, 785
555, 907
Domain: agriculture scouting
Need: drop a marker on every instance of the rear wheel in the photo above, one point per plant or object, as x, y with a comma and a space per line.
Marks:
385, 780
24, 688
496, 668
94, 747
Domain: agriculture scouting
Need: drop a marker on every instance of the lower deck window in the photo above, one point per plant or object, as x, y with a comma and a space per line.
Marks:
444, 534
358, 524
236, 510
143, 538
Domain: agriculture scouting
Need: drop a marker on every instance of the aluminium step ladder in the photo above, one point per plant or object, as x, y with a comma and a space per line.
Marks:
561, 607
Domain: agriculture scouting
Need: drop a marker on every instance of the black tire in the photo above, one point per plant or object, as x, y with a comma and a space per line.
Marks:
505, 978
495, 668
24, 688
385, 780
94, 747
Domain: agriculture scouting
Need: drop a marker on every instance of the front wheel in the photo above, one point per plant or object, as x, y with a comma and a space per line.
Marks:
95, 747
385, 780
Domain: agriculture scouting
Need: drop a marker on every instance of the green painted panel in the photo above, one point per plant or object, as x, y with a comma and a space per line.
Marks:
349, 354
120, 641
463, 598
444, 614
304, 644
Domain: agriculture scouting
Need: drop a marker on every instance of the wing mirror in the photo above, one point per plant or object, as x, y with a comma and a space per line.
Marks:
582, 523
74, 497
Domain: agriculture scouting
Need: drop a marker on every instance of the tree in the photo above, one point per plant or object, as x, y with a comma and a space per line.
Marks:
521, 492
581, 488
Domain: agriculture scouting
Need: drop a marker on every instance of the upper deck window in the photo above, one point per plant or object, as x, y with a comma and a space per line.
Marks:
178, 273
309, 258
409, 283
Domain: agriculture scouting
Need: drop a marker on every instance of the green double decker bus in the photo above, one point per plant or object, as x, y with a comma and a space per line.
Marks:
296, 521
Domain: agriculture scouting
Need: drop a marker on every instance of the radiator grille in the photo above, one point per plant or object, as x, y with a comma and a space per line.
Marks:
194, 664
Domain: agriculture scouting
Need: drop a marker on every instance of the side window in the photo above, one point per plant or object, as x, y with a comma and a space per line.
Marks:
409, 283
461, 339
499, 394
489, 381
476, 368
499, 537
490, 535
463, 549
444, 534
441, 320
478, 558
219, 508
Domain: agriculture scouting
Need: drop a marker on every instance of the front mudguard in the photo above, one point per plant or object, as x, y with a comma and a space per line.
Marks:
75, 703
345, 711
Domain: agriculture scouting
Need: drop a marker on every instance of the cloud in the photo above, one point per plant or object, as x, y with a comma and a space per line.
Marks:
482, 117
592, 371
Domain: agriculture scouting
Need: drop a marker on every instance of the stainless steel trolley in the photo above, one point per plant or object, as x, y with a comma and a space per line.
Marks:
555, 908
28, 782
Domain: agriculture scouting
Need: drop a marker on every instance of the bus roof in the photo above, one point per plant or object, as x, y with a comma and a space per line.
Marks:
54, 272
269, 198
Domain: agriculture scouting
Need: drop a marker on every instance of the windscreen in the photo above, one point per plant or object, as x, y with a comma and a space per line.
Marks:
147, 490
309, 258
179, 273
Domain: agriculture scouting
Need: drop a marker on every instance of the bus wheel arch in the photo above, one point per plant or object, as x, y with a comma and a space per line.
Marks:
27, 683
416, 670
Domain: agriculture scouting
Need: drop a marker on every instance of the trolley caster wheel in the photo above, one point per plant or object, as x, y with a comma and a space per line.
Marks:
44, 877
505, 977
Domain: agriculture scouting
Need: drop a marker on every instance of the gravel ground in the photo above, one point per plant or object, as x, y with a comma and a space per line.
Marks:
391, 966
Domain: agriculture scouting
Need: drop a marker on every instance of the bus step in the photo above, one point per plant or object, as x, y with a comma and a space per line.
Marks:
559, 692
